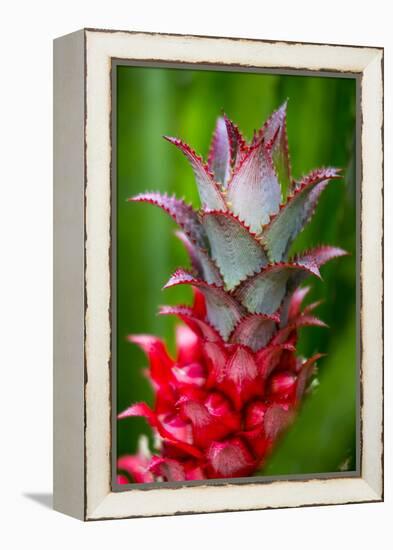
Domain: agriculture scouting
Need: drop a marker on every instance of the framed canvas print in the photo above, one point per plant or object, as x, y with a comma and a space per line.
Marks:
245, 179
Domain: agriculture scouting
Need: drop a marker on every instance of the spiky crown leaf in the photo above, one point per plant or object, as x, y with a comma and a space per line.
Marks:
238, 242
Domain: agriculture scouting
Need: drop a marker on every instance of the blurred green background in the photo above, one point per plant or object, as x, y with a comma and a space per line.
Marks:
152, 102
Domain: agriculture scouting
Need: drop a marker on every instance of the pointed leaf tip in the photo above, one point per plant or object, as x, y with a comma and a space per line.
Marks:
183, 214
220, 152
274, 134
316, 257
274, 124
209, 191
237, 143
139, 409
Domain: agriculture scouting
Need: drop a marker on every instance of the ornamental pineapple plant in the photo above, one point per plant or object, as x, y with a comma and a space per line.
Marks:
236, 382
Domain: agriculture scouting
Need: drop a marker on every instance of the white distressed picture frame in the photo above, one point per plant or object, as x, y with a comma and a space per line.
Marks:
82, 271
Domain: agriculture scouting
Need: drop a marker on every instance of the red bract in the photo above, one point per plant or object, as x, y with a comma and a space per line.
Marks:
236, 380
218, 406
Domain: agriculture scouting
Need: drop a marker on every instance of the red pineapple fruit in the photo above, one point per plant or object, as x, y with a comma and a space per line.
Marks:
236, 381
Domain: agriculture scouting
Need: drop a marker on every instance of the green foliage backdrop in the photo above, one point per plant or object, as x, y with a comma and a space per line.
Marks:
153, 102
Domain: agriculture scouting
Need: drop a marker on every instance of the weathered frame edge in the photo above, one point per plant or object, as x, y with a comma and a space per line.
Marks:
69, 278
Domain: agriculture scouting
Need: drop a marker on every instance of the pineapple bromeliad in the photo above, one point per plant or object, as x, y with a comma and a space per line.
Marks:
236, 382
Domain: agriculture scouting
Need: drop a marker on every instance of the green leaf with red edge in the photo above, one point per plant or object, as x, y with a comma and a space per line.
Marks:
265, 291
319, 255
204, 266
234, 248
223, 311
283, 228
254, 193
274, 133
219, 160
209, 191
